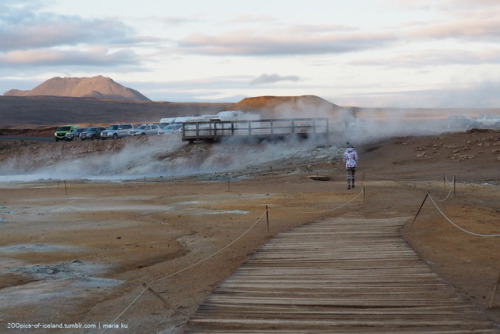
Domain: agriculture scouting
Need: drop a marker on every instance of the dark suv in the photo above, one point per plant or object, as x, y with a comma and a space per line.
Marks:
92, 133
75, 133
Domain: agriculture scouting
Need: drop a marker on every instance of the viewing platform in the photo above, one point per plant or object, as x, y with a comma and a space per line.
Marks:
264, 129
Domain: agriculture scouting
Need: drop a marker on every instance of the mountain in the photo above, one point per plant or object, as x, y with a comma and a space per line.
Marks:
288, 106
96, 87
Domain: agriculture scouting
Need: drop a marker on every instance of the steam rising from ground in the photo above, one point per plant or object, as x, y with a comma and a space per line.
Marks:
361, 125
164, 156
168, 156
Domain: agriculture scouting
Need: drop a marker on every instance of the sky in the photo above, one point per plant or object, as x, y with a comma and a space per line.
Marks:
366, 53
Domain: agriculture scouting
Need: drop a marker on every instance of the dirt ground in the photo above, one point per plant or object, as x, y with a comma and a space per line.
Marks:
143, 254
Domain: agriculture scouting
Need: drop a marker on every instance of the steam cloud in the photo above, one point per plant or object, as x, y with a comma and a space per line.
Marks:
168, 156
154, 158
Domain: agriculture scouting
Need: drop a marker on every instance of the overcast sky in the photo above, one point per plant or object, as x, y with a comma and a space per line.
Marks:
369, 53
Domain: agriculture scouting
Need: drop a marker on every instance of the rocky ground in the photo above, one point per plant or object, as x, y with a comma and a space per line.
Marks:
79, 248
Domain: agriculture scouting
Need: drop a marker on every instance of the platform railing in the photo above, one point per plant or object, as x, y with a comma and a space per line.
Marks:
264, 128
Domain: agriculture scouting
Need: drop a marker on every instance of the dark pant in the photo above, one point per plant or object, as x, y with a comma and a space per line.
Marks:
351, 172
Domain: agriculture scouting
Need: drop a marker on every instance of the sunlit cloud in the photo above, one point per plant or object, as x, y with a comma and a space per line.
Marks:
48, 30
474, 28
44, 57
291, 41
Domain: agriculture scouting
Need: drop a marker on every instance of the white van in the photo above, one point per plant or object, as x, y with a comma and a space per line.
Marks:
167, 121
235, 115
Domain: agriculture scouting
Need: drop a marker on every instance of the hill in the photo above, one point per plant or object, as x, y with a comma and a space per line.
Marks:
289, 106
96, 87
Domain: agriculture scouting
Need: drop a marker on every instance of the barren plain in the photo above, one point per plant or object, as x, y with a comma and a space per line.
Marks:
141, 253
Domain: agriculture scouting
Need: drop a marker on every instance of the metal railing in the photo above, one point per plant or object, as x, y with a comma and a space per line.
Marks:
264, 128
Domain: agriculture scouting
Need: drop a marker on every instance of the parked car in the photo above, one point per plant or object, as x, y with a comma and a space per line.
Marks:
75, 133
146, 129
92, 133
116, 131
62, 130
172, 128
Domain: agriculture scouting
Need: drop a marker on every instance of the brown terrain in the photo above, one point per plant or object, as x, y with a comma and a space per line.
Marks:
97, 87
139, 231
80, 251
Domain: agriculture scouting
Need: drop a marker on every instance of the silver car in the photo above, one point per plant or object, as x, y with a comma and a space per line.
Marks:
171, 128
146, 129
116, 131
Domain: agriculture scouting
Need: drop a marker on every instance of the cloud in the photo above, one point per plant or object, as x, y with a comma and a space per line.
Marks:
480, 95
480, 27
470, 20
433, 57
33, 37
443, 5
295, 40
92, 57
27, 30
24, 26
272, 78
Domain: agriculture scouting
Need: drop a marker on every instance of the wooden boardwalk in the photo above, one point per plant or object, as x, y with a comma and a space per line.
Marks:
337, 276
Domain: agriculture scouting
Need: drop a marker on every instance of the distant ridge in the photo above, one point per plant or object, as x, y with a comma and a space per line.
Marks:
98, 87
44, 111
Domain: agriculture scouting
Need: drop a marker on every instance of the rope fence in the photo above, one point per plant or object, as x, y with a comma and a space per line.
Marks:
147, 286
460, 228
452, 188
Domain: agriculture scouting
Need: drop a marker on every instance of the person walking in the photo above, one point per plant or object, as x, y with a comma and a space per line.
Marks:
350, 158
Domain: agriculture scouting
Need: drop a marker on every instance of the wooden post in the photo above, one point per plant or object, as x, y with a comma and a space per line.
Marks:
267, 218
364, 193
228, 185
444, 181
453, 185
65, 188
426, 195
494, 292
156, 294
363, 178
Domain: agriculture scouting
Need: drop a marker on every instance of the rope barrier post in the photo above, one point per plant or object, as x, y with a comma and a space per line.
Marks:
65, 188
156, 294
228, 185
267, 218
444, 181
453, 185
363, 178
427, 195
494, 292
364, 194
